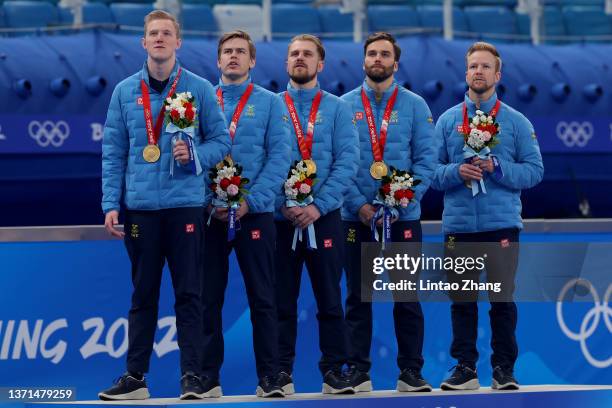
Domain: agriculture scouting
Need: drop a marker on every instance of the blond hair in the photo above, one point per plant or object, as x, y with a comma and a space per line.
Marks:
162, 15
485, 46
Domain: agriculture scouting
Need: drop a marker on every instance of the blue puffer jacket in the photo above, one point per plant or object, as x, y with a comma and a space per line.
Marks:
410, 146
148, 186
334, 147
261, 144
520, 161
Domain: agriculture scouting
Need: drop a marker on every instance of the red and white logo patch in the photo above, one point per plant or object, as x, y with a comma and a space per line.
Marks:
408, 234
358, 115
256, 234
505, 243
139, 100
189, 228
328, 243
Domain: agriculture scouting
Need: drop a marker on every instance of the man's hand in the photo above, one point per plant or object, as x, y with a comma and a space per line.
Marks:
242, 210
291, 213
366, 212
486, 165
181, 152
470, 172
220, 213
110, 220
309, 215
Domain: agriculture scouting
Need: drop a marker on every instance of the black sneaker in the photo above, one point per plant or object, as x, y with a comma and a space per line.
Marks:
285, 381
126, 387
191, 386
268, 388
463, 378
503, 380
335, 382
412, 381
211, 387
360, 380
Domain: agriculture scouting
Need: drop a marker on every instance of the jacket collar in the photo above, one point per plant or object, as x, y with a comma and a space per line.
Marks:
485, 106
234, 91
302, 95
145, 73
372, 94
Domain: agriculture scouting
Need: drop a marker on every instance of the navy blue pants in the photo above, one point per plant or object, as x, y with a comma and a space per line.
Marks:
500, 265
407, 316
151, 238
254, 247
325, 270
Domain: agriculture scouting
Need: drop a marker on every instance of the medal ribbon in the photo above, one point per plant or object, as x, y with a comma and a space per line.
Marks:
153, 133
239, 108
305, 144
378, 143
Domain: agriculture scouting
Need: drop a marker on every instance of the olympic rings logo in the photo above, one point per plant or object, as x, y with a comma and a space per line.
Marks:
575, 133
590, 322
49, 133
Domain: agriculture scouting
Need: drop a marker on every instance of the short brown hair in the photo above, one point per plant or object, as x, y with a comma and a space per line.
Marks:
485, 46
162, 15
237, 34
312, 38
382, 36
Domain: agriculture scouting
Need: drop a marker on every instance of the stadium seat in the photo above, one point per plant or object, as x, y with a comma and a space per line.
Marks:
392, 18
586, 21
92, 13
496, 24
130, 14
551, 24
291, 19
199, 17
336, 23
22, 14
247, 17
431, 17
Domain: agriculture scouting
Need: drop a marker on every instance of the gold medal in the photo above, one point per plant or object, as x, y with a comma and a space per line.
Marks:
311, 167
378, 170
151, 153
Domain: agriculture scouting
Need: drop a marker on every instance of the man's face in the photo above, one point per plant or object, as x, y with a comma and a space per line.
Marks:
481, 74
235, 60
160, 40
303, 61
379, 63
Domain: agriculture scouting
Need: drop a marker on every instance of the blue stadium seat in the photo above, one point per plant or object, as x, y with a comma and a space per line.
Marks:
199, 17
431, 17
599, 3
487, 20
333, 21
392, 18
291, 19
130, 14
93, 13
22, 14
587, 21
551, 24
309, 2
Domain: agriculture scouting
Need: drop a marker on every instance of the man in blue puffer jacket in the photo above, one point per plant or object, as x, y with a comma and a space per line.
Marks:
160, 180
490, 215
333, 148
407, 143
261, 147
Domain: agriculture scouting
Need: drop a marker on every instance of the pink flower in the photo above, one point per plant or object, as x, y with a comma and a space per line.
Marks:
304, 188
486, 136
232, 190
404, 202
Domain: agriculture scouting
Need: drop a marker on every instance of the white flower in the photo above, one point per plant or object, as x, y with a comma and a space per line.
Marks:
476, 120
479, 112
222, 195
483, 119
490, 119
232, 190
304, 188
390, 201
